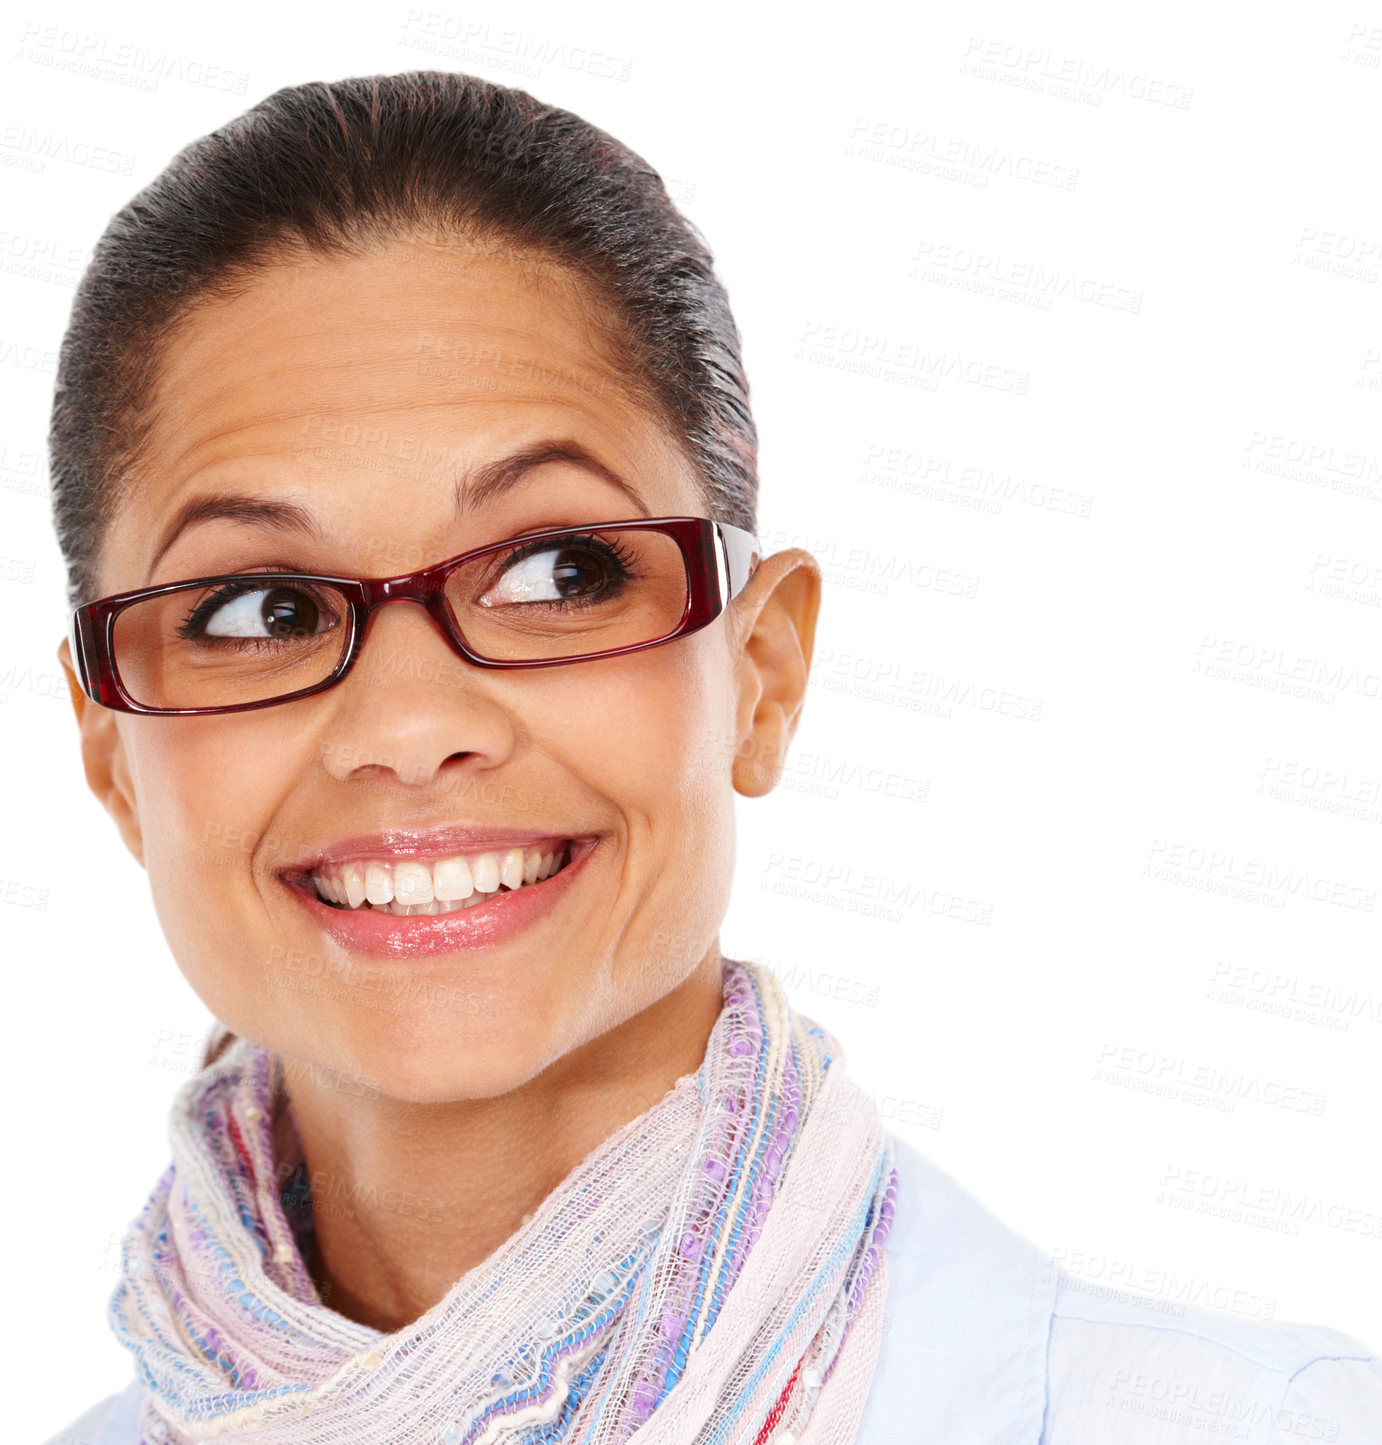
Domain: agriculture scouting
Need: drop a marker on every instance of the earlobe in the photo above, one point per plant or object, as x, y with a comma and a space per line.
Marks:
775, 666
103, 758
758, 763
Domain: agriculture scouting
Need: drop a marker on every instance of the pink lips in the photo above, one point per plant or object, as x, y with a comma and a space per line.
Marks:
385, 935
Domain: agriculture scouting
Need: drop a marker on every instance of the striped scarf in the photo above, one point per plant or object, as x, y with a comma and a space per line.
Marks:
711, 1274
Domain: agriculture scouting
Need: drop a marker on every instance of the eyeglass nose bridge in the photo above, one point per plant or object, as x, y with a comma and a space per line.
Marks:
425, 586
428, 589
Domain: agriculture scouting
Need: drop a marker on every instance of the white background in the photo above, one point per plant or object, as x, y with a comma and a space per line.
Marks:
1064, 336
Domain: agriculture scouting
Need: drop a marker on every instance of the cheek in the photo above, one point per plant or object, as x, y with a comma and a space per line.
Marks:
654, 738
208, 789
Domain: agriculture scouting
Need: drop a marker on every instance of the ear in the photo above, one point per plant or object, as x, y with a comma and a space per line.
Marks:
103, 757
777, 631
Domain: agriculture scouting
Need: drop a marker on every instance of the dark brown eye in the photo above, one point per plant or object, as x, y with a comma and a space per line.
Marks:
260, 612
556, 574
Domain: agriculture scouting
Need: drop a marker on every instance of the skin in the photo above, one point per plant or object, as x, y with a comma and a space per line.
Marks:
502, 1068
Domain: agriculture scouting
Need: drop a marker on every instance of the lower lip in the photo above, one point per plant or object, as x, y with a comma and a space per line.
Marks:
386, 935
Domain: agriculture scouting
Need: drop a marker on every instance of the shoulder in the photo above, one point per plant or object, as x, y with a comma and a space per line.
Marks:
1136, 1368
115, 1421
986, 1340
966, 1321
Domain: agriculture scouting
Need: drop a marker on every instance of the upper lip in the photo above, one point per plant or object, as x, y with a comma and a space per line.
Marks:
433, 843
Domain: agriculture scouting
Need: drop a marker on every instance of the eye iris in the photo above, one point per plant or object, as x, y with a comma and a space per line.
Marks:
576, 573
288, 614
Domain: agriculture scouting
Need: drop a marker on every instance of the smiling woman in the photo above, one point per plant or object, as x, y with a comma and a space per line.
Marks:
539, 1163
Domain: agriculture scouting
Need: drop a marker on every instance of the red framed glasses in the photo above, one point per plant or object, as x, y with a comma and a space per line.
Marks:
252, 639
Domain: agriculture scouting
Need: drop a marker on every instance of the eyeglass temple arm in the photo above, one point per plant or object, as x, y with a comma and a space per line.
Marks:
74, 643
742, 556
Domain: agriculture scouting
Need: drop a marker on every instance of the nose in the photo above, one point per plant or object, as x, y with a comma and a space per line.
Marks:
412, 710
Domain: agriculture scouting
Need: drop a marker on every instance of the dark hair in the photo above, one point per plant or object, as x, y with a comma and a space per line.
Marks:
344, 167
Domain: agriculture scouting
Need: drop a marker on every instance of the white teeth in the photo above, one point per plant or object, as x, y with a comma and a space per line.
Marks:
353, 877
412, 883
485, 869
378, 883
451, 880
408, 886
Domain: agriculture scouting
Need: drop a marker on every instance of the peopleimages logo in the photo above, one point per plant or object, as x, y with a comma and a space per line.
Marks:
909, 363
995, 274
1245, 1202
31, 150
1134, 1067
988, 58
1176, 1400
461, 38
1220, 870
1308, 1001
1114, 1278
888, 679
969, 484
952, 157
838, 885
122, 62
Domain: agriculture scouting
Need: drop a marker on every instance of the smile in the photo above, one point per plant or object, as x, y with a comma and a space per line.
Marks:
419, 886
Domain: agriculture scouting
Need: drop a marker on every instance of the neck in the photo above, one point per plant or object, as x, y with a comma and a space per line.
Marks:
409, 1197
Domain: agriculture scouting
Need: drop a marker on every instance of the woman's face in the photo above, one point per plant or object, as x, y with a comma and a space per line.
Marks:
359, 391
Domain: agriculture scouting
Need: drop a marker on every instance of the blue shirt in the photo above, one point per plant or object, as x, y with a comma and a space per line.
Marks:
986, 1342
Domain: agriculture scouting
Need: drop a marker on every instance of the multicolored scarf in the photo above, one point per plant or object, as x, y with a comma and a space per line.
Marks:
712, 1274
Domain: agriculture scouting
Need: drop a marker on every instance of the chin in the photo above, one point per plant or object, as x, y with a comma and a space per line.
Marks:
445, 1081
419, 1056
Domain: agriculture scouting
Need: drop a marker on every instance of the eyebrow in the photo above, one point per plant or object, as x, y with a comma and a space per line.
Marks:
480, 485
477, 487
253, 511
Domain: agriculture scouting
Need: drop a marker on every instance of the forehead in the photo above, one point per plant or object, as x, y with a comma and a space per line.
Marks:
381, 378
